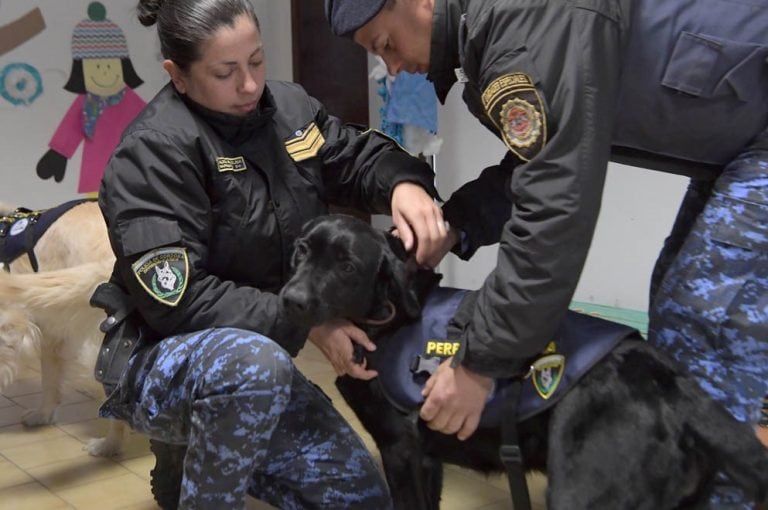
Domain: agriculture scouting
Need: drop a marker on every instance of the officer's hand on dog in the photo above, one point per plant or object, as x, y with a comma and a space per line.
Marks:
455, 399
419, 223
335, 340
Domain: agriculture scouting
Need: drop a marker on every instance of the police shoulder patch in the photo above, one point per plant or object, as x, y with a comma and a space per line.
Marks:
514, 106
163, 273
547, 374
305, 143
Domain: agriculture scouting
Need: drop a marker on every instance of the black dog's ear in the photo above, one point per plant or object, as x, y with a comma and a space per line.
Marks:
395, 278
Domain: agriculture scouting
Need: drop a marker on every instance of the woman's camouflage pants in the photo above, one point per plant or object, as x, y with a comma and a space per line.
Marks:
252, 423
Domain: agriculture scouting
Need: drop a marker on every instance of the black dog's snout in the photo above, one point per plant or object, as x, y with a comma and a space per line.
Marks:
296, 300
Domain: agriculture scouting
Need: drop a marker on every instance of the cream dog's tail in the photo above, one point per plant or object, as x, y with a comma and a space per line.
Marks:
23, 297
69, 287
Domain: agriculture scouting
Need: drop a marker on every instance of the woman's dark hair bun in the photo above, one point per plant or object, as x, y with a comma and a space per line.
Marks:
148, 10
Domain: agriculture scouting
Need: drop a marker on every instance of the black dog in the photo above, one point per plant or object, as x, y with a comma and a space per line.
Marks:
633, 433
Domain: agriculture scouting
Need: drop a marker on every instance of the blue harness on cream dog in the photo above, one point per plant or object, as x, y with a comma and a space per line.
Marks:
20, 231
414, 351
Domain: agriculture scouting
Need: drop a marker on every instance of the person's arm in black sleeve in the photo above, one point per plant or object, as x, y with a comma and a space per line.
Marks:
479, 209
557, 190
361, 168
154, 198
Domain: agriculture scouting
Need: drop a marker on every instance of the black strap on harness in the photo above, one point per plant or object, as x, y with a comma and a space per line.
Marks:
509, 451
29, 237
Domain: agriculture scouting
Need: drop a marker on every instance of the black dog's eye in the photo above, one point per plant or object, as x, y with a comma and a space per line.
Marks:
348, 267
300, 252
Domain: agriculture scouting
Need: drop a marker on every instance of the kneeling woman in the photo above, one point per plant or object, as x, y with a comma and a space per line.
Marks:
203, 199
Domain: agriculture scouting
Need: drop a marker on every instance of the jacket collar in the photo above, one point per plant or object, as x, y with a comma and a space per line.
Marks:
235, 129
444, 52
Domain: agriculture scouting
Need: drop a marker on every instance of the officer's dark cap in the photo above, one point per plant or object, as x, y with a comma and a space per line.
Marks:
346, 16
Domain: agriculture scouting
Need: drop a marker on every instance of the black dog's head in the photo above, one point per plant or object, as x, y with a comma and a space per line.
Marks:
345, 268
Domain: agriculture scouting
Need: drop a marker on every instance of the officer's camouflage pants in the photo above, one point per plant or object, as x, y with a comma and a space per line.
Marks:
711, 308
252, 423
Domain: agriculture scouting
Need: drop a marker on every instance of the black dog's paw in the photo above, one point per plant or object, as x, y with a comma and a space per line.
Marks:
52, 164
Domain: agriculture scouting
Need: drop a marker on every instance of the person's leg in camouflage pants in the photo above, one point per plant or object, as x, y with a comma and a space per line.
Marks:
711, 310
251, 422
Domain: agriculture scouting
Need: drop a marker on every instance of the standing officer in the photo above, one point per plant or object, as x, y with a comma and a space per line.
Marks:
680, 87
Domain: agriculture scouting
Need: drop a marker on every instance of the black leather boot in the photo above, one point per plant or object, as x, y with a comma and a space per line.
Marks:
166, 476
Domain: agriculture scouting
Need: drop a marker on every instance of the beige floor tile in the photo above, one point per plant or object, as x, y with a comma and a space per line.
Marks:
11, 415
310, 351
140, 466
11, 475
31, 496
136, 445
78, 471
17, 435
86, 430
44, 452
503, 505
32, 401
81, 411
120, 491
461, 492
23, 386
145, 505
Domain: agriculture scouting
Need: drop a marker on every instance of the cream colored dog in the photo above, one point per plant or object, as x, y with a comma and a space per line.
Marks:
46, 315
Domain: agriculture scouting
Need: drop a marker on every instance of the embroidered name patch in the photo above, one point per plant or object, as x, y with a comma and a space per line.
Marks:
513, 104
231, 164
163, 273
306, 143
439, 348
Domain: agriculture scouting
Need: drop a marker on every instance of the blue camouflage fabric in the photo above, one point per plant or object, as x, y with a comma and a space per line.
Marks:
244, 411
711, 307
764, 416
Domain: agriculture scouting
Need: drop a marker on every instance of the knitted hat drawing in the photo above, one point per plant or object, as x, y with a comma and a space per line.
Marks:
98, 37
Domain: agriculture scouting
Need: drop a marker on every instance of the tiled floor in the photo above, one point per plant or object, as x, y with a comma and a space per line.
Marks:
47, 468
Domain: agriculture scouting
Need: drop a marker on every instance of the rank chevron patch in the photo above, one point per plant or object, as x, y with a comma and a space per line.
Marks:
306, 144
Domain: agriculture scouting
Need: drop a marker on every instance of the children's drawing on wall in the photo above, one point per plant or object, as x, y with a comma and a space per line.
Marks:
103, 78
20, 82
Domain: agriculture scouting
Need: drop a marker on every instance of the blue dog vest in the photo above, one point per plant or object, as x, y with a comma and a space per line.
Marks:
406, 358
20, 231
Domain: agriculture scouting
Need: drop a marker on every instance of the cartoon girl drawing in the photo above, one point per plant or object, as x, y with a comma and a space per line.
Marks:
103, 77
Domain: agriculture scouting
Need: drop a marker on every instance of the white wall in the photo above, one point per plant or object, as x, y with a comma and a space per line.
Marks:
638, 209
25, 130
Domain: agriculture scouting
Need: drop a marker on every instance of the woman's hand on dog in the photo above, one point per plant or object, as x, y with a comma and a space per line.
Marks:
335, 340
455, 399
419, 224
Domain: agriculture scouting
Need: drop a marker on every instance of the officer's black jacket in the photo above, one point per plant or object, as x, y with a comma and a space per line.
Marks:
541, 202
675, 86
167, 185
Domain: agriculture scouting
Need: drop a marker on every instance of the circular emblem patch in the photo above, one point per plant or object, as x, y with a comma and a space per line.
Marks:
19, 227
521, 122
